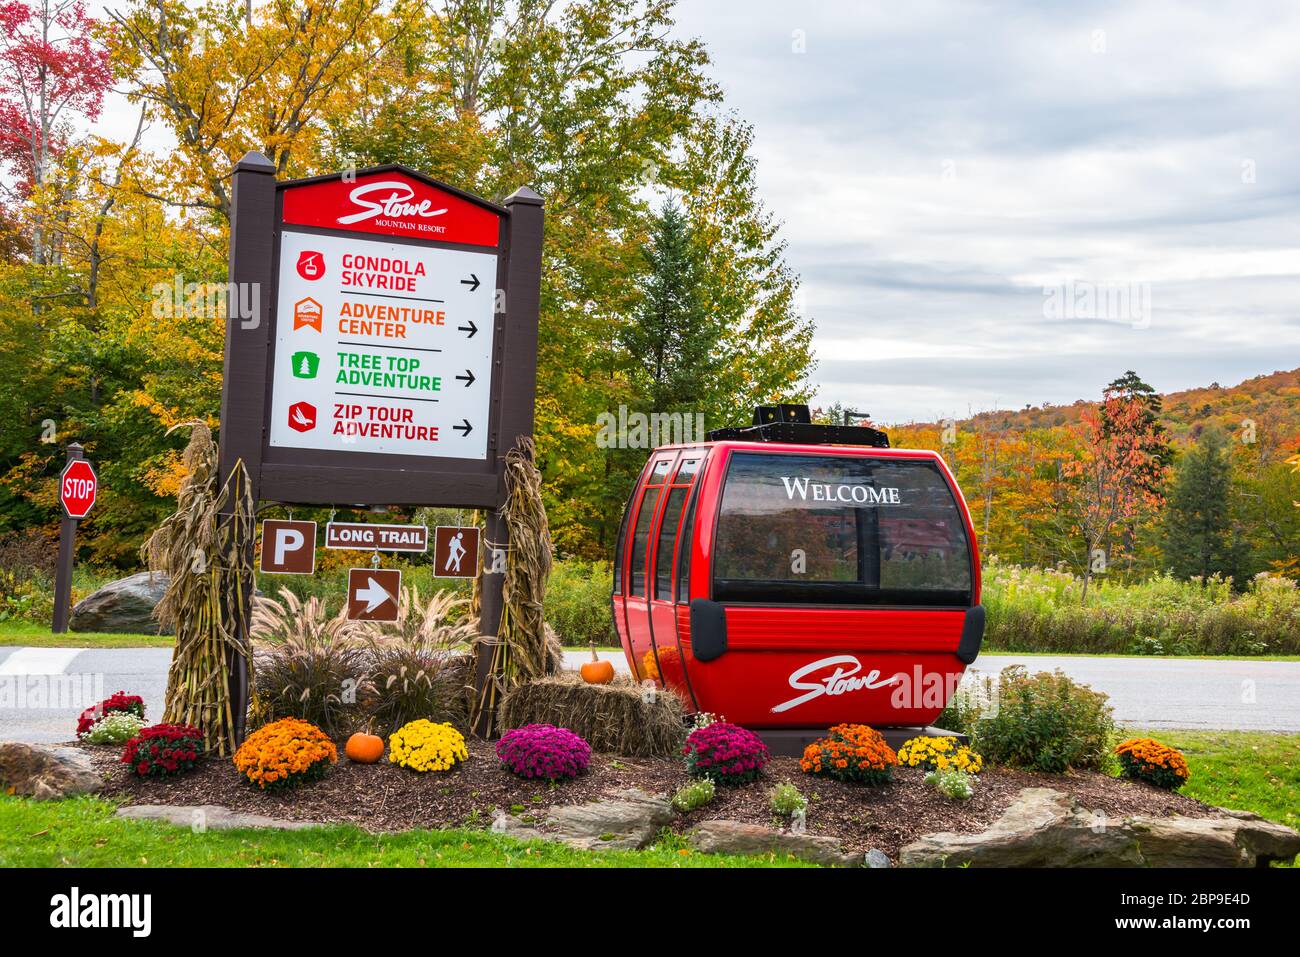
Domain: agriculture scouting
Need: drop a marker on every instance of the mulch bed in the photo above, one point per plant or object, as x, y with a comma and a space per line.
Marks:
379, 797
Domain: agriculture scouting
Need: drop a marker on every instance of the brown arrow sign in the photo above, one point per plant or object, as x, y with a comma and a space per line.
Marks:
373, 593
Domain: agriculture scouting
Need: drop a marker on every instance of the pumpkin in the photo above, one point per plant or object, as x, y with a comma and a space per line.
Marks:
595, 671
364, 748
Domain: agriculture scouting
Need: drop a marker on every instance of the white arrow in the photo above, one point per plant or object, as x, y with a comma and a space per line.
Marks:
373, 595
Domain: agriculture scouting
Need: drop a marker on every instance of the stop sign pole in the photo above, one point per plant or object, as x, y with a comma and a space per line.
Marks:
74, 509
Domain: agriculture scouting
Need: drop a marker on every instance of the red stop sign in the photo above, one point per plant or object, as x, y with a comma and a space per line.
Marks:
77, 488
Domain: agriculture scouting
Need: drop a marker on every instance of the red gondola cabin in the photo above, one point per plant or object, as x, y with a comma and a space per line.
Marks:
794, 576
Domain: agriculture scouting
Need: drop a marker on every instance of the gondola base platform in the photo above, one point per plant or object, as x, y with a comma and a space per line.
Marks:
790, 742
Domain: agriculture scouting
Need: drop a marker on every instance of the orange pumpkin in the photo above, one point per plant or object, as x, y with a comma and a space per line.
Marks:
595, 671
364, 748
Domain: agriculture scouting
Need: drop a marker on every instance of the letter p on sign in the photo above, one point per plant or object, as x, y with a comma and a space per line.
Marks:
288, 548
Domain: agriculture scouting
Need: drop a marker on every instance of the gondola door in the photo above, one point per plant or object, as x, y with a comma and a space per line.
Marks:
640, 572
665, 665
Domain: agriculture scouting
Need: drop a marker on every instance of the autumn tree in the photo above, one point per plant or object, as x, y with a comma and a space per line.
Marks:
1116, 472
52, 73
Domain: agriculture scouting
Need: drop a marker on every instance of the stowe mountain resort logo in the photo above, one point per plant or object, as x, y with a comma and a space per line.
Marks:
397, 205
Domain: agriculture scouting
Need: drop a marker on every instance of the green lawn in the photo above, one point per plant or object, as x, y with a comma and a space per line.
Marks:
81, 832
1245, 770
39, 636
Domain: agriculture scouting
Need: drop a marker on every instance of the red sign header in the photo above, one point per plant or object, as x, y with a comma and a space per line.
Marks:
392, 203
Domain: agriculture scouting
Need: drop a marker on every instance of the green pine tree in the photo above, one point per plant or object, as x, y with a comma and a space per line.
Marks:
1200, 537
672, 341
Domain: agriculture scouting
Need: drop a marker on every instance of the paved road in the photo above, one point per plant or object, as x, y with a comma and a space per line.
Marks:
42, 690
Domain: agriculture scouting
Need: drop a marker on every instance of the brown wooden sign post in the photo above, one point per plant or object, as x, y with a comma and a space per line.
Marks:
390, 354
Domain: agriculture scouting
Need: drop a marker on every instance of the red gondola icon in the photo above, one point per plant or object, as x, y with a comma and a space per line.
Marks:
311, 265
302, 416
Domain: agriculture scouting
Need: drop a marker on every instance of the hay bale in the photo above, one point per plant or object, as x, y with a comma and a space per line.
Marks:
615, 718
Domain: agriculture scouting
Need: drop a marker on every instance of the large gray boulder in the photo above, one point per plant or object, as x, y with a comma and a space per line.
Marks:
1045, 828
43, 772
628, 820
122, 606
735, 837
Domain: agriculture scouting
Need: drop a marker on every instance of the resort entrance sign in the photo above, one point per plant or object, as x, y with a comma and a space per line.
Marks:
391, 357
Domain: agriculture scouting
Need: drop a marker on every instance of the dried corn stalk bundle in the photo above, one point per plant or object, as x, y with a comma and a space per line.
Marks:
208, 557
520, 652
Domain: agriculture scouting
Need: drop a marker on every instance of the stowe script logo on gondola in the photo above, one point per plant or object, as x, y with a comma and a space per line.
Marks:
808, 490
841, 680
394, 203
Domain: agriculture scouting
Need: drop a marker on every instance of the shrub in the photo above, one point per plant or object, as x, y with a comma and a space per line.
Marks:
1032, 609
787, 800
164, 749
316, 668
939, 754
1045, 722
952, 783
420, 666
727, 753
544, 751
694, 795
617, 718
851, 752
120, 702
114, 728
284, 754
1145, 759
577, 602
424, 746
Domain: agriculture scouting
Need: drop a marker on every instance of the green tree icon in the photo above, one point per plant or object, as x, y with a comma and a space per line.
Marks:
305, 364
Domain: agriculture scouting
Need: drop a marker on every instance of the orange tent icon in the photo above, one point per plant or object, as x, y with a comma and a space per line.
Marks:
307, 312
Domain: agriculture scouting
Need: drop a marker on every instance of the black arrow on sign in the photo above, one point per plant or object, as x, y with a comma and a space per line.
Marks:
468, 377
472, 282
465, 429
471, 329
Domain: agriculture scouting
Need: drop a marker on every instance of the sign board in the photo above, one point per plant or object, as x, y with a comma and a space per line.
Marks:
389, 349
288, 547
78, 487
381, 350
373, 594
382, 538
455, 551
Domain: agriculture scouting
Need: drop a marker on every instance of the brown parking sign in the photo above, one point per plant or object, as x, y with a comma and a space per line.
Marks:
373, 593
288, 547
455, 551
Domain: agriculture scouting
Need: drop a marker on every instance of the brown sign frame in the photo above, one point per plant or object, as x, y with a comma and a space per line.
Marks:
316, 477
325, 477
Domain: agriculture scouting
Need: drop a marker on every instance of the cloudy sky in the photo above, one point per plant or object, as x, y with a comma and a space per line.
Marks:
1009, 204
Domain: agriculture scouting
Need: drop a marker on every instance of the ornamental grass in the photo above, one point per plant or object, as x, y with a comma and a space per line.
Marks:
851, 752
284, 754
616, 718
1146, 759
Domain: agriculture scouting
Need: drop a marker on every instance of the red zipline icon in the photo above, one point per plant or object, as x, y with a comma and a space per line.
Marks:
302, 416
